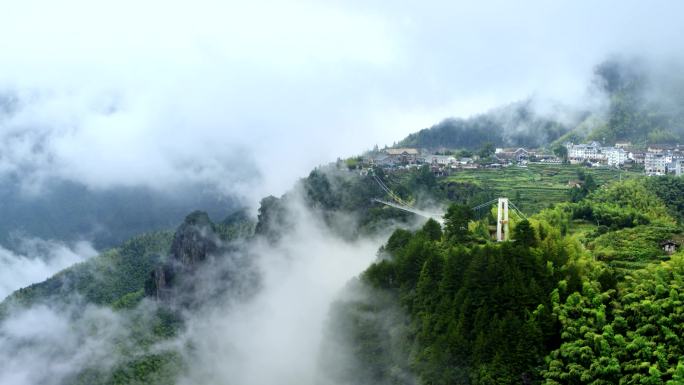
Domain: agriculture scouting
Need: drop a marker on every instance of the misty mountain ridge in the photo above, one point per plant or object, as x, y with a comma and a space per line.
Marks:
68, 211
640, 103
517, 124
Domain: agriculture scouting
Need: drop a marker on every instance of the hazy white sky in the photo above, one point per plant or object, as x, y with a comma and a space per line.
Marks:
164, 92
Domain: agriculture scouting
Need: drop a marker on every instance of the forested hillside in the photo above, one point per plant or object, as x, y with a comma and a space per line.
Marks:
583, 294
645, 103
514, 125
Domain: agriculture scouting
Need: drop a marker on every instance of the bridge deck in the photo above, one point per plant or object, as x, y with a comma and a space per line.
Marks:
427, 214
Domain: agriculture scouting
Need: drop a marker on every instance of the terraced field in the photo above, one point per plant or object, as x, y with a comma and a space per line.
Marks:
537, 186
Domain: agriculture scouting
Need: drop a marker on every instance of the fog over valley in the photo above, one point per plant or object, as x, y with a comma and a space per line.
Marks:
348, 192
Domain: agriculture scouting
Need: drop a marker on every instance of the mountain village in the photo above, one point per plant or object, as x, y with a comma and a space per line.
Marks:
654, 160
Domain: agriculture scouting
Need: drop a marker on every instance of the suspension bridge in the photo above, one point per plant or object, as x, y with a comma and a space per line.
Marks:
502, 220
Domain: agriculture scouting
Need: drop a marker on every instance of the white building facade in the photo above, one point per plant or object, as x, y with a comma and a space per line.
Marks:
615, 156
679, 167
655, 163
578, 153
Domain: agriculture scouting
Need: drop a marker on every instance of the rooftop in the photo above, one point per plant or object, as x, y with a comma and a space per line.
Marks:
399, 151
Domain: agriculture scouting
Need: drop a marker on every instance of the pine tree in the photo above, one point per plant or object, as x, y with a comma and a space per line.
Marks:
524, 234
433, 230
456, 222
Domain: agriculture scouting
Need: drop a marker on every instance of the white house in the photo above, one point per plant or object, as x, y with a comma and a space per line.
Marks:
655, 163
637, 156
578, 153
615, 156
679, 167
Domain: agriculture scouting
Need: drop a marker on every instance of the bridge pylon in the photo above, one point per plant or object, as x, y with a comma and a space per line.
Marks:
502, 233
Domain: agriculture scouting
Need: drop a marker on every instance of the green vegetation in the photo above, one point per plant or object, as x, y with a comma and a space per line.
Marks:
142, 359
116, 279
531, 188
105, 279
628, 335
669, 189
640, 108
478, 313
582, 295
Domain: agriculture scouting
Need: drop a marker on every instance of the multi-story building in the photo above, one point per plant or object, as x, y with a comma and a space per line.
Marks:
402, 155
615, 156
679, 167
660, 148
655, 163
578, 153
637, 156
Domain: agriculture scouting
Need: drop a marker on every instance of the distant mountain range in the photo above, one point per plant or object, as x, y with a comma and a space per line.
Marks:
68, 211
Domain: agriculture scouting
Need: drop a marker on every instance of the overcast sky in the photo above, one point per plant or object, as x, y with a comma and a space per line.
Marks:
159, 92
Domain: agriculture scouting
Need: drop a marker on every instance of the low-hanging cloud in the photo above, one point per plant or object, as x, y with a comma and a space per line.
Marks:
275, 336
47, 345
36, 261
272, 335
248, 96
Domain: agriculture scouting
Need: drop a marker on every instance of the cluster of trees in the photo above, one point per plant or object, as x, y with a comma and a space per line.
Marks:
479, 313
104, 279
547, 307
331, 192
587, 185
628, 335
670, 190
